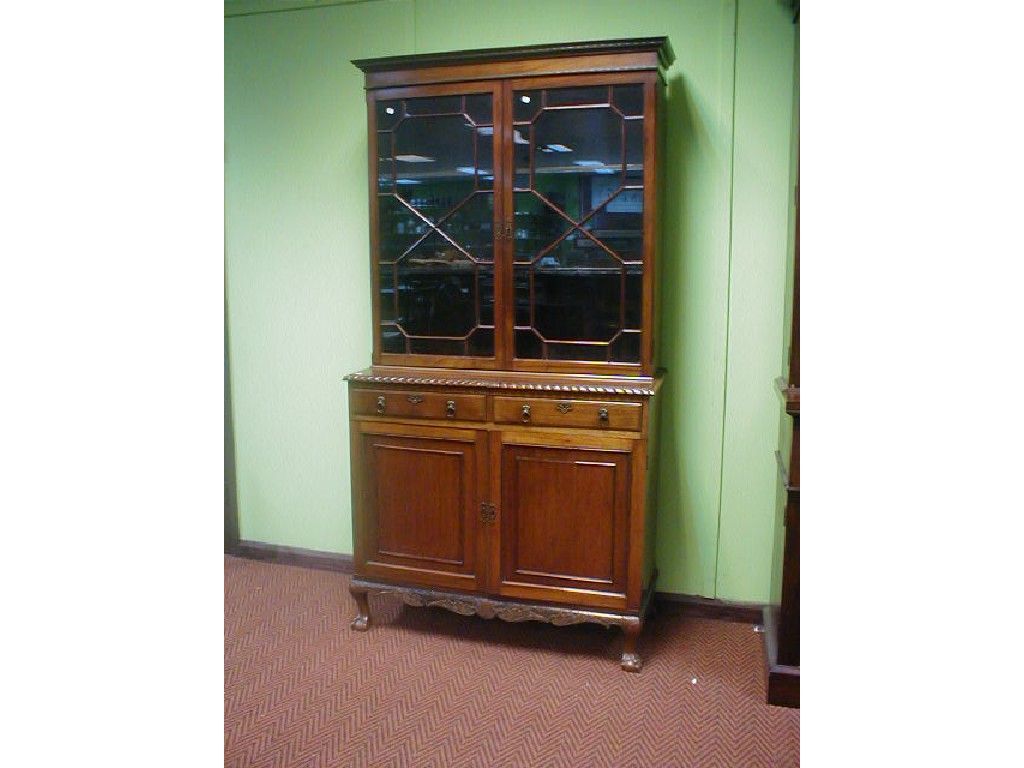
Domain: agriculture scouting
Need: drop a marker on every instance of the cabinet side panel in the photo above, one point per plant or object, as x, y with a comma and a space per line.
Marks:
651, 487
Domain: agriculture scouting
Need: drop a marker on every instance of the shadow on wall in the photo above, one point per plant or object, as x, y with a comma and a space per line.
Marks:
677, 497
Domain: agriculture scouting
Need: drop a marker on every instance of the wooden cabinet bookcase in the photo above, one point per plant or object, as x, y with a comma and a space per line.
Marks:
503, 441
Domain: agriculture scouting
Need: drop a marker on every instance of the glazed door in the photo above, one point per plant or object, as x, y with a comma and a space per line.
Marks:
433, 207
578, 153
419, 491
564, 519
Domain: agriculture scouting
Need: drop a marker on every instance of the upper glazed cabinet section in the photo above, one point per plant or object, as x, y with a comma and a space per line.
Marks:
513, 209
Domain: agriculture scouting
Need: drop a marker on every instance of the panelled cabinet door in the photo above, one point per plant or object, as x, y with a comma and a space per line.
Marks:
432, 224
419, 496
564, 521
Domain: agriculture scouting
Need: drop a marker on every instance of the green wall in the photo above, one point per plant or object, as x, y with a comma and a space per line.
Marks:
298, 262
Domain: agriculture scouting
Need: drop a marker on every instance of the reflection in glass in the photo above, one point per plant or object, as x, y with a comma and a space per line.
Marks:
435, 161
436, 290
400, 228
388, 113
471, 225
536, 226
525, 105
577, 290
569, 304
572, 145
436, 225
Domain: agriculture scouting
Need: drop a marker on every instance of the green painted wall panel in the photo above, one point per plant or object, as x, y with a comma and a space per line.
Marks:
760, 234
298, 258
298, 264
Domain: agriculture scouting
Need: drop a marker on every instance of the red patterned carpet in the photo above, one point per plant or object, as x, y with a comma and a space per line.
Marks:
425, 687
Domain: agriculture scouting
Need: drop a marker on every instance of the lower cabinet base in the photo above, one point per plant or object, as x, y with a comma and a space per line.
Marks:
507, 610
782, 680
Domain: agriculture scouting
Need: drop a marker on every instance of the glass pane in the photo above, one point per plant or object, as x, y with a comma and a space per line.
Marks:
471, 225
619, 223
521, 155
521, 291
478, 107
484, 161
485, 290
525, 105
634, 152
385, 163
629, 99
481, 343
626, 348
437, 290
597, 94
388, 113
598, 352
577, 291
528, 345
388, 293
634, 297
574, 305
571, 149
392, 340
436, 225
537, 225
578, 252
399, 229
429, 346
435, 158
435, 105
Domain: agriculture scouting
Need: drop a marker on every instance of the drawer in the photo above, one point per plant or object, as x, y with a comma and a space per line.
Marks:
567, 413
418, 405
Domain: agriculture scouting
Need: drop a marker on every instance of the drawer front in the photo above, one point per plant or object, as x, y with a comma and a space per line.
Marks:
419, 405
568, 413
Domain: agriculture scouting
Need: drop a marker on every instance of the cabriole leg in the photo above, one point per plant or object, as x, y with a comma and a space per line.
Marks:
631, 661
362, 620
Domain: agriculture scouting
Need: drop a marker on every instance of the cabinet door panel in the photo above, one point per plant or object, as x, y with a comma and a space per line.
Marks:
564, 522
581, 229
417, 504
433, 218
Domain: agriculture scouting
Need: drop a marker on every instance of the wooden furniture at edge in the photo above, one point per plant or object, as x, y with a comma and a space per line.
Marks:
782, 614
503, 443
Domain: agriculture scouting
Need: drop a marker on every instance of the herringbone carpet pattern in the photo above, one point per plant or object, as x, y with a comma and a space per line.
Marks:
425, 687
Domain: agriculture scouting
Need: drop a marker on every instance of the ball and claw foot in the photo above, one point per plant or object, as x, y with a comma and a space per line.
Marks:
362, 620
631, 661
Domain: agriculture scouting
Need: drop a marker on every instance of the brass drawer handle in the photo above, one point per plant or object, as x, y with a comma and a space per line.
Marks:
602, 415
415, 399
381, 404
450, 409
526, 413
